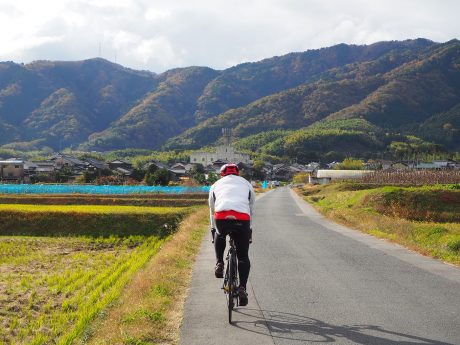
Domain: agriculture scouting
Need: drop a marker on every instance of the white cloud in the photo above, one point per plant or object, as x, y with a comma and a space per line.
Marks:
161, 34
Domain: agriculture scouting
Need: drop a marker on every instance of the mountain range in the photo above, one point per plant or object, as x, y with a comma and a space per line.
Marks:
344, 98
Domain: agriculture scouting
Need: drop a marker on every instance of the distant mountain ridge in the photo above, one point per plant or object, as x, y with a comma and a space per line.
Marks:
407, 87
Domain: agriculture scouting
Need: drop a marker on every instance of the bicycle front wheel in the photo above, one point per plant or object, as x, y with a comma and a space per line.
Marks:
231, 287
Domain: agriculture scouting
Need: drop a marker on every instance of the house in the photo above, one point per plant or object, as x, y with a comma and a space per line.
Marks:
281, 172
446, 164
244, 168
217, 164
35, 171
12, 170
68, 167
155, 165
181, 170
117, 163
64, 160
95, 165
123, 172
44, 167
211, 169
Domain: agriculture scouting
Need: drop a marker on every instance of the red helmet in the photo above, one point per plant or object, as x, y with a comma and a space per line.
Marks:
229, 169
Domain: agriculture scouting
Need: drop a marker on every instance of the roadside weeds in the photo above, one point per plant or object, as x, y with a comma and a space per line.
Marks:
352, 208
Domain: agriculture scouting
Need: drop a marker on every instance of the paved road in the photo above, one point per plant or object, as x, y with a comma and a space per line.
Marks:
313, 281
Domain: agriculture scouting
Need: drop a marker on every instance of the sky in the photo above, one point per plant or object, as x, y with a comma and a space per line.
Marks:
158, 35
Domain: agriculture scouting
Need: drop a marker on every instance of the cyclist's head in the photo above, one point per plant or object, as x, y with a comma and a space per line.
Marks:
229, 169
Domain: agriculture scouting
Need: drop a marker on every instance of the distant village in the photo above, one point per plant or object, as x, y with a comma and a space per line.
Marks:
66, 168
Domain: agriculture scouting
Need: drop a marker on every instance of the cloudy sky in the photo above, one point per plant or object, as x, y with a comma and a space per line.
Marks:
157, 35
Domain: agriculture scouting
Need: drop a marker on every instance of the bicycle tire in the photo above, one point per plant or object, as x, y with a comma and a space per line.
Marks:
231, 286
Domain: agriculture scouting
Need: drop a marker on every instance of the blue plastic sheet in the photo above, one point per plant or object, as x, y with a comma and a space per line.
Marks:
90, 189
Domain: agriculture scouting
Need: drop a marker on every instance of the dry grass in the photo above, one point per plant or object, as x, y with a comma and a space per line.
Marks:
151, 306
412, 177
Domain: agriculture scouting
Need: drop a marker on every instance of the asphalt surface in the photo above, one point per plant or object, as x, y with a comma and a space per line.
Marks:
313, 281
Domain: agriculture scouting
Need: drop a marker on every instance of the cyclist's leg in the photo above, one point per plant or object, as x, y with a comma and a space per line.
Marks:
241, 237
220, 239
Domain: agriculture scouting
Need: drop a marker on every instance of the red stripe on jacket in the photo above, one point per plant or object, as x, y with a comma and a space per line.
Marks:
231, 215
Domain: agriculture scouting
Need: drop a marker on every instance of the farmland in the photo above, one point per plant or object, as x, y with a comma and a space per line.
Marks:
423, 218
180, 200
62, 265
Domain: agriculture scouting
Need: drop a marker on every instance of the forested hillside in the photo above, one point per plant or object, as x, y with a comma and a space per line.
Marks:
345, 100
419, 97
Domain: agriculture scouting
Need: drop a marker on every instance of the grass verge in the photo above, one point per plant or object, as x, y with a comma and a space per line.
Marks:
420, 218
151, 306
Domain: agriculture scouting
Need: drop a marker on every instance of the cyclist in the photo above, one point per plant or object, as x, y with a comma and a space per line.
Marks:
231, 201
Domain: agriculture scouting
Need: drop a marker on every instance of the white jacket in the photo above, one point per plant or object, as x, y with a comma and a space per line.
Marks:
231, 193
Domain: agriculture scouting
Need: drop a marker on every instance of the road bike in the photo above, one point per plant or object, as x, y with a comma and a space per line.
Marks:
231, 284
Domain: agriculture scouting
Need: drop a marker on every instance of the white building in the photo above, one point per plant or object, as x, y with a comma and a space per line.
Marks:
342, 174
224, 152
12, 169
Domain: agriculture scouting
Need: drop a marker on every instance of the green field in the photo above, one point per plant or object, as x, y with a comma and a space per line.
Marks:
425, 218
62, 265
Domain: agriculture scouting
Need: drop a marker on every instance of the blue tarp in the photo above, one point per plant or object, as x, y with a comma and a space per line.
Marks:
90, 189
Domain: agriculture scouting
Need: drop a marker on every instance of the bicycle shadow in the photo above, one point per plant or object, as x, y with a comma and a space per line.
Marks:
302, 328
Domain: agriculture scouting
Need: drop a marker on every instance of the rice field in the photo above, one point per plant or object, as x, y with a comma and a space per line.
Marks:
50, 288
179, 200
61, 266
91, 209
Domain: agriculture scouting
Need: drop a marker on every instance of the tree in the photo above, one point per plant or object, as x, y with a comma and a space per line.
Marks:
159, 177
257, 170
197, 173
138, 174
212, 177
197, 168
301, 178
64, 174
350, 164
